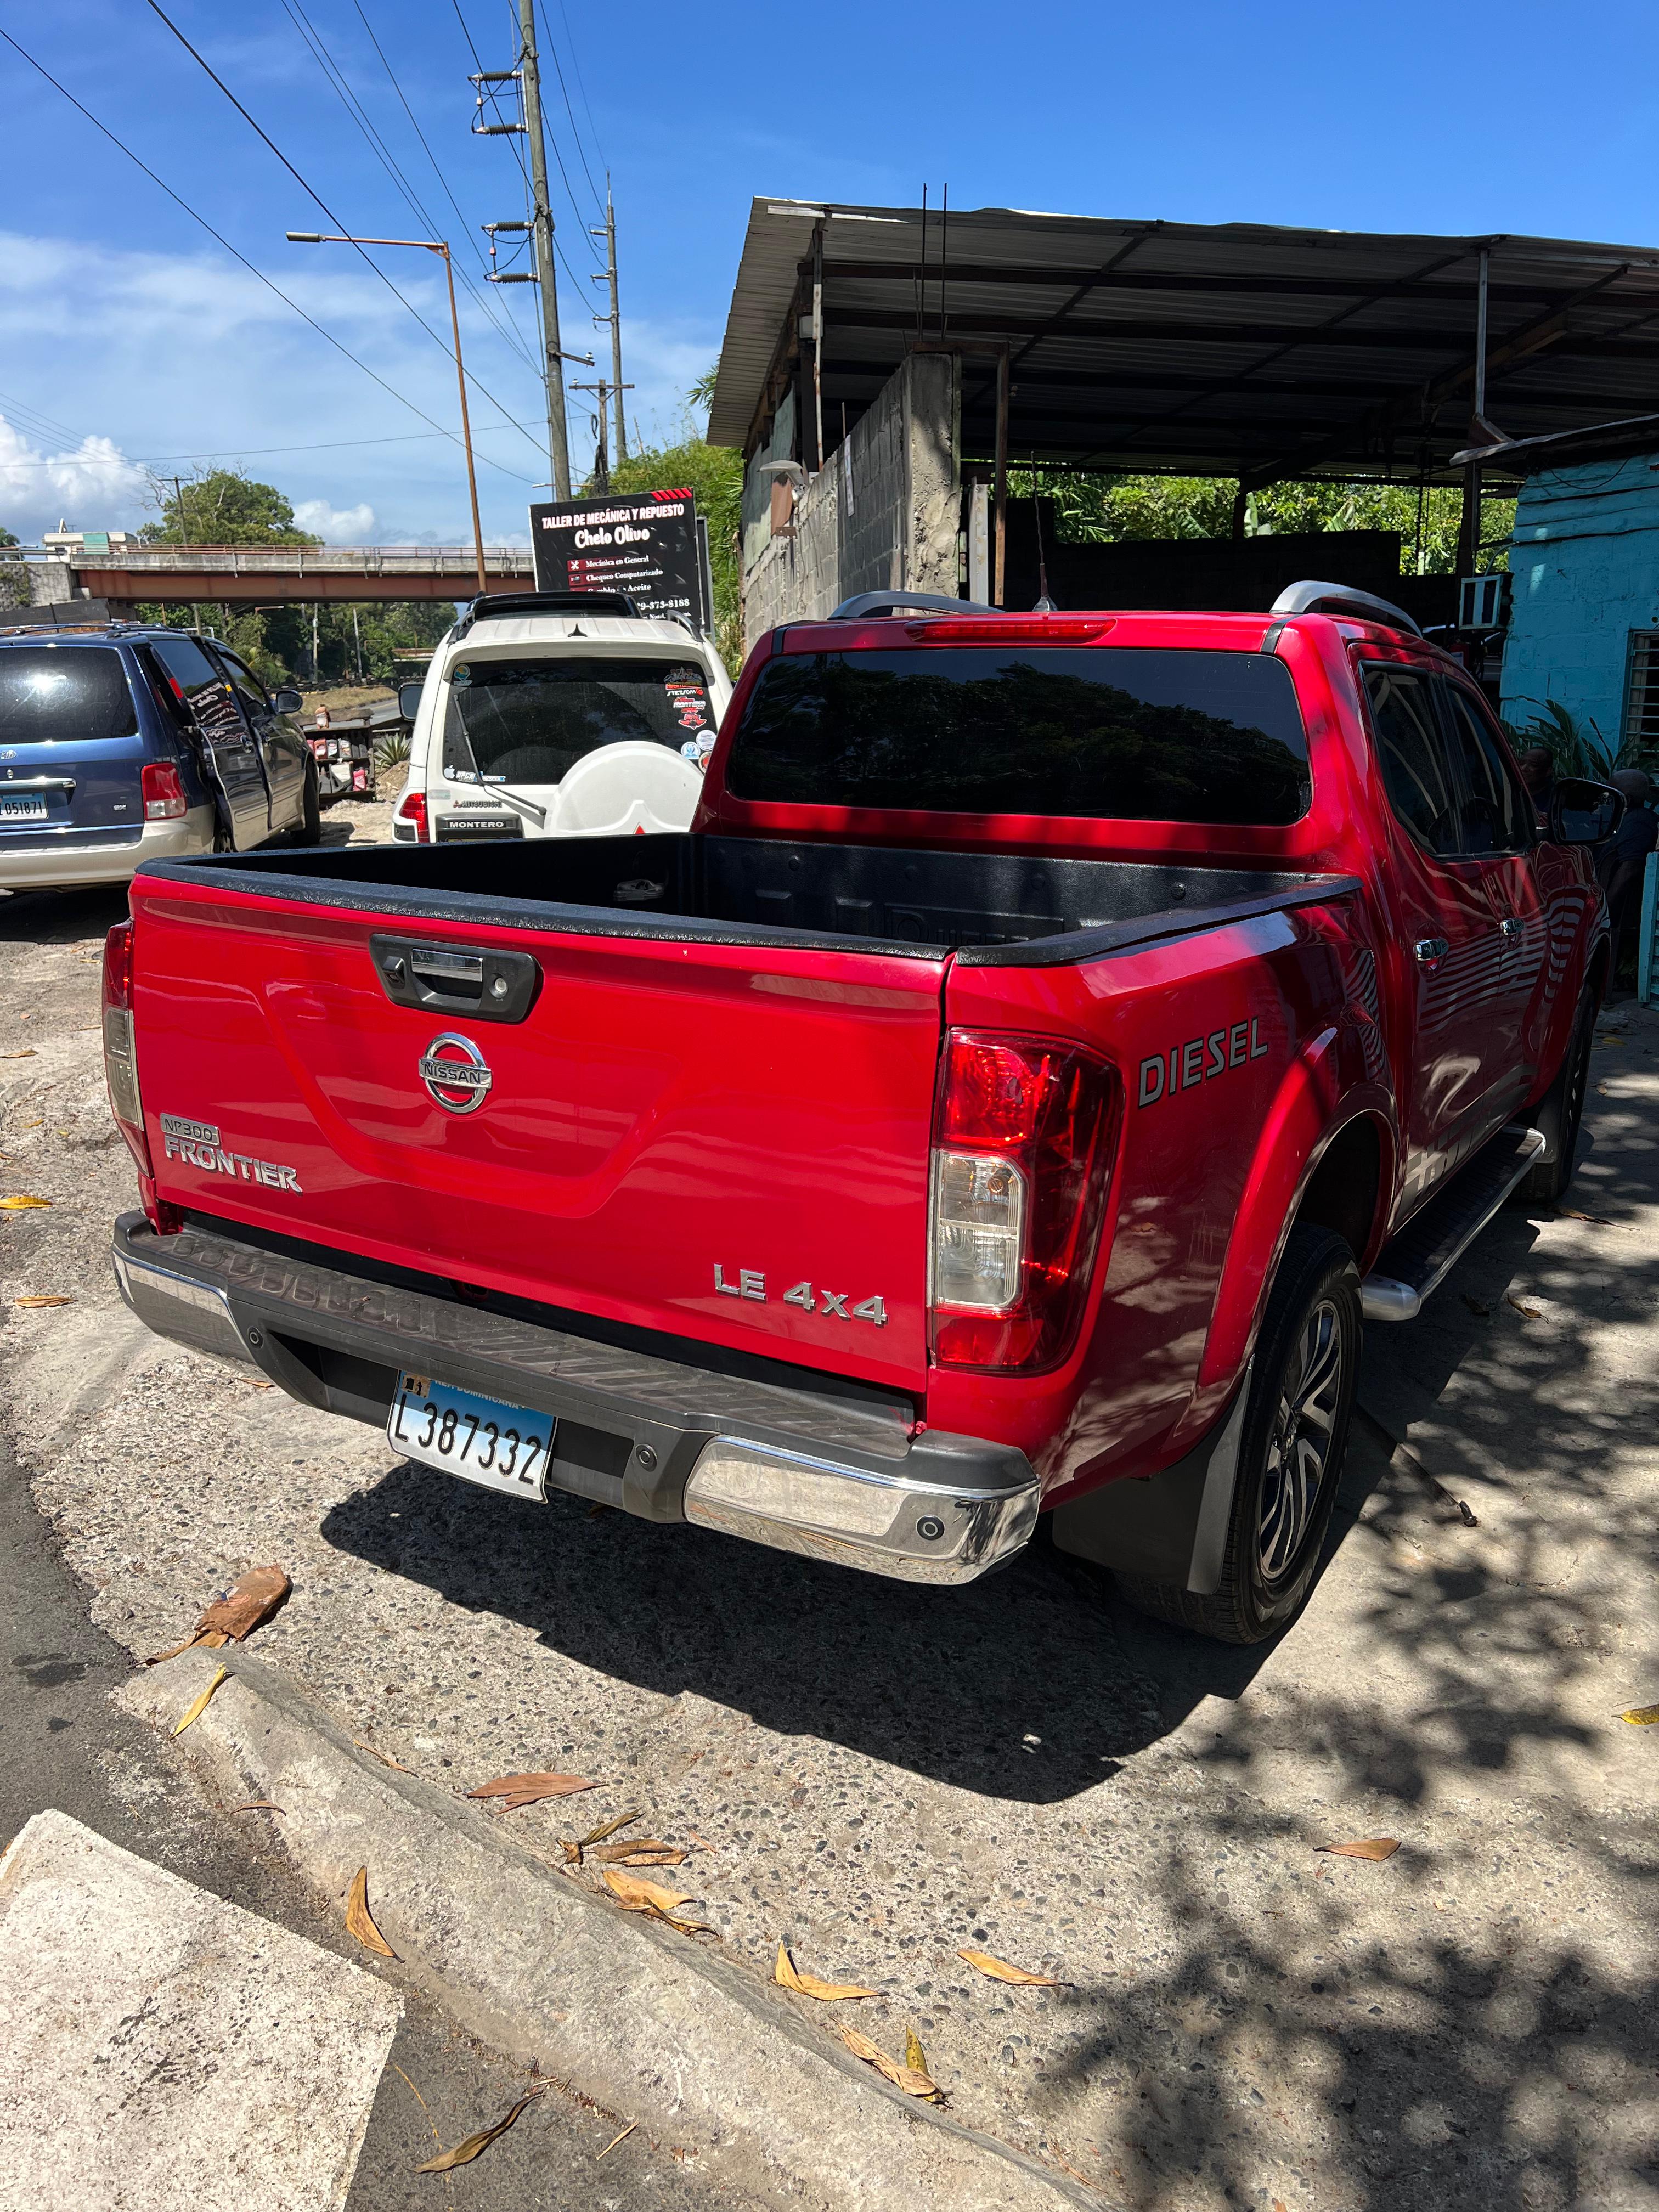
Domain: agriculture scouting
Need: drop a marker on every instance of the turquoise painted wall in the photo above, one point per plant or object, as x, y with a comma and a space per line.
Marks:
1585, 559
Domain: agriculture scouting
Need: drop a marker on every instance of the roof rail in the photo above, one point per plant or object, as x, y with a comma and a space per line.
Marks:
551, 603
1312, 598
887, 603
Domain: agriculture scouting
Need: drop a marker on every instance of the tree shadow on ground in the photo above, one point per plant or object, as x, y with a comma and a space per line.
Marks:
65, 917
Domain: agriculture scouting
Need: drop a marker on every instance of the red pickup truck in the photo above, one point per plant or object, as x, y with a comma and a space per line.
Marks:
1055, 1032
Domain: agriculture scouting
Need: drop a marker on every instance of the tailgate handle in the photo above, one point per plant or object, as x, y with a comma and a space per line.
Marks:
485, 985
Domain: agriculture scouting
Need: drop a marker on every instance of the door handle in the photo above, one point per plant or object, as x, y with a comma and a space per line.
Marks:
1431, 950
1512, 927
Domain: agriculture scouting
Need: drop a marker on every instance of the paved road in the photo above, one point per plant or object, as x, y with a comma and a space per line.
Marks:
64, 1745
883, 1774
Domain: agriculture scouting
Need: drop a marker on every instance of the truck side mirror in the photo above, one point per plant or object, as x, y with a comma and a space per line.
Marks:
1583, 812
409, 700
287, 702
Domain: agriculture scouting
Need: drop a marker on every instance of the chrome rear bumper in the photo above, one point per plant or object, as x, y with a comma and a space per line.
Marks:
825, 1469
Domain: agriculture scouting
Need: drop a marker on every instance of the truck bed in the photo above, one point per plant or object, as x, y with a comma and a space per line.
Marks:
986, 908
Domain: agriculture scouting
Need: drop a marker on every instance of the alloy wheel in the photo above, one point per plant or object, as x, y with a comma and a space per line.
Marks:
1298, 1447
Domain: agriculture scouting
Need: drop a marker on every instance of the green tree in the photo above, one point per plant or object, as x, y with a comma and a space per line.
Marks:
222, 507
1109, 509
715, 474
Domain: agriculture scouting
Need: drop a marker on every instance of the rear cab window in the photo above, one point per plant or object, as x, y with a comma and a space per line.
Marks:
1124, 733
530, 719
51, 694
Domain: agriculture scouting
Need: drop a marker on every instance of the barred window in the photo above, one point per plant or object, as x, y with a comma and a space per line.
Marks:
1642, 696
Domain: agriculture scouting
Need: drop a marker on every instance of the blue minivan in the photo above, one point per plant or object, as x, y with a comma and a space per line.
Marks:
124, 742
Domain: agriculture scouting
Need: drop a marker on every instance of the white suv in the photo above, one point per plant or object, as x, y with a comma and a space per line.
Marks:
560, 714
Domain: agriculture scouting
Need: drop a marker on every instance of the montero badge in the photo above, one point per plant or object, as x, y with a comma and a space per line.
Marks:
455, 1072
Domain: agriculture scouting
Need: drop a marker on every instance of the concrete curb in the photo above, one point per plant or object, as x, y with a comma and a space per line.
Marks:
658, 2027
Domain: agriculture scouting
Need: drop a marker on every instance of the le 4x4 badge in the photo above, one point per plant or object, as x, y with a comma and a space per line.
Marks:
751, 1284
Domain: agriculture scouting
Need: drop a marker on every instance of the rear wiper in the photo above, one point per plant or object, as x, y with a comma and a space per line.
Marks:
485, 783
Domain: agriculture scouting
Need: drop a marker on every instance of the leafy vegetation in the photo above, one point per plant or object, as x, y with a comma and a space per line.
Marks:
1110, 509
715, 474
1577, 744
223, 506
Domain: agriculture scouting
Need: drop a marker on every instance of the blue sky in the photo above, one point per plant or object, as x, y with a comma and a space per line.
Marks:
128, 339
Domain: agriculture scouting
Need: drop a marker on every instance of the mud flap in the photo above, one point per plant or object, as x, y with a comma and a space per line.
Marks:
1169, 1527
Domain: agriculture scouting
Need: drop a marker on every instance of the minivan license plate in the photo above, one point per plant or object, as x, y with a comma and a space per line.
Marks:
502, 1447
22, 805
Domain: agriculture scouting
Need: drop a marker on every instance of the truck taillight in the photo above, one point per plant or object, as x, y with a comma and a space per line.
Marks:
1022, 1137
411, 812
164, 792
121, 1073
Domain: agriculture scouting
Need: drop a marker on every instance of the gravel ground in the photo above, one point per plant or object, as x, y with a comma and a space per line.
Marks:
881, 1774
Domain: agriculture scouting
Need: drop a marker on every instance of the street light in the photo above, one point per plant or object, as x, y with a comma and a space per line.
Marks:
424, 245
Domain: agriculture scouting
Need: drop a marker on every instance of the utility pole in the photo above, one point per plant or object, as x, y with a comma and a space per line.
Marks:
608, 275
529, 92
602, 392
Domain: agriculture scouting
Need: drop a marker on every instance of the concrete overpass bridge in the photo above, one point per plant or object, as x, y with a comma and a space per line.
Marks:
266, 575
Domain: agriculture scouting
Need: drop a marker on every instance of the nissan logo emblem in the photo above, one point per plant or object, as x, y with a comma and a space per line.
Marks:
456, 1073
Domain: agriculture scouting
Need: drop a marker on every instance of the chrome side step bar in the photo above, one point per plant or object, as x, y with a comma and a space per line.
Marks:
1414, 1264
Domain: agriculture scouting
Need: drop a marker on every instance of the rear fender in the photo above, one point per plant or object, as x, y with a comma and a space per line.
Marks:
1324, 1090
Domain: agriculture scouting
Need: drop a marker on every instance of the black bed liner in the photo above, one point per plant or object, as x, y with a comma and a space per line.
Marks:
990, 909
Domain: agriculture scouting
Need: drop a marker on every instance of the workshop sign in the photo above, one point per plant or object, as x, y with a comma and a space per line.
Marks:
646, 546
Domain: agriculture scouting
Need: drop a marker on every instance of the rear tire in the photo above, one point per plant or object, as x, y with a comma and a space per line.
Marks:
1559, 1112
310, 830
1291, 1451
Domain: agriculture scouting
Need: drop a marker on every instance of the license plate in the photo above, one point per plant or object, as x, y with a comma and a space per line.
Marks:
22, 806
502, 1447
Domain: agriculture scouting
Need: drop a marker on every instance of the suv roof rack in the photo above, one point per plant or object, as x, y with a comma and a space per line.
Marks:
1310, 596
887, 603
551, 603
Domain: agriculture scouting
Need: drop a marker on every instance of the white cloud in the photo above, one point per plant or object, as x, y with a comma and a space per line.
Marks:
338, 525
94, 487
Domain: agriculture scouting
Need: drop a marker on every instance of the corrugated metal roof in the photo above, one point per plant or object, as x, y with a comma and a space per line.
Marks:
1221, 350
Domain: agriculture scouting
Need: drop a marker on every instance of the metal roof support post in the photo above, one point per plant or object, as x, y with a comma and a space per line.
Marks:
999, 491
1468, 534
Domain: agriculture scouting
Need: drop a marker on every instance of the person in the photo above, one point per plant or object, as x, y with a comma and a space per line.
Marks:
1537, 767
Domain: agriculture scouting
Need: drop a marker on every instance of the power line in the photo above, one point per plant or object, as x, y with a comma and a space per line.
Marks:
178, 200
575, 64
244, 452
311, 192
575, 133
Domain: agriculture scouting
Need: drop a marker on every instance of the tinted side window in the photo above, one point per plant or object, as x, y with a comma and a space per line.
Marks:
1122, 734
1497, 817
50, 692
199, 687
247, 684
1412, 756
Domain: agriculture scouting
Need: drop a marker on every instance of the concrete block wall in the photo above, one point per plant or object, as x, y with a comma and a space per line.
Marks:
1585, 559
881, 512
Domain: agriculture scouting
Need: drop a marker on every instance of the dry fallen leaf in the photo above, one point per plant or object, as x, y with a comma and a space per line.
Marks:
259, 1805
914, 2057
1000, 1971
574, 1848
1368, 1847
384, 1757
465, 2152
648, 1853
360, 1921
27, 1053
1527, 1313
789, 1975
61, 1299
20, 1199
642, 1896
901, 2077
1642, 1716
198, 1705
244, 1604
1598, 1220
512, 1790
1476, 1306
